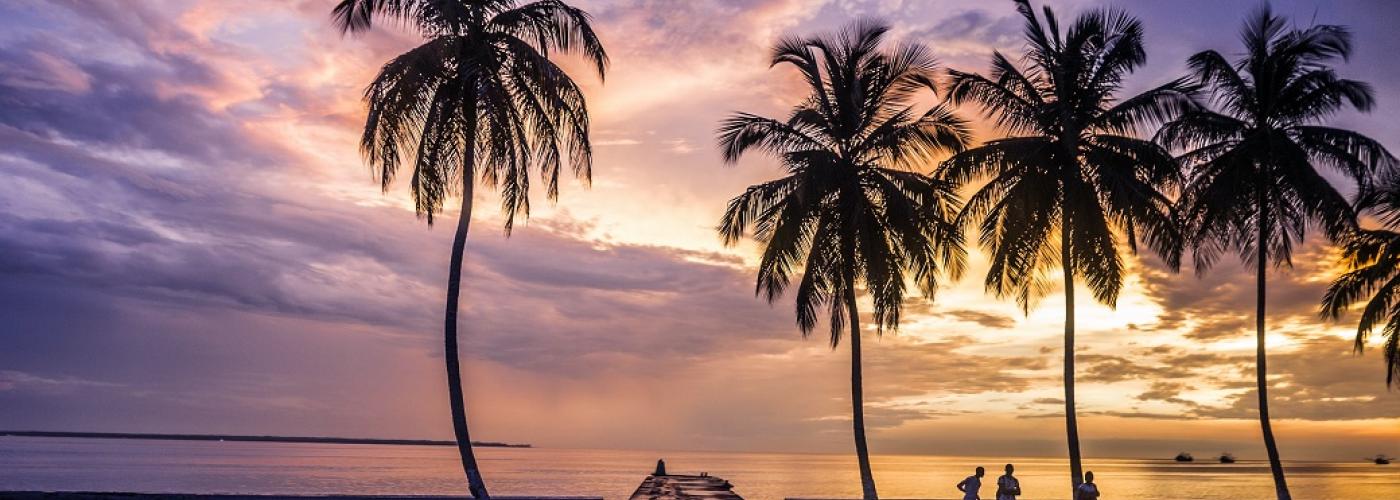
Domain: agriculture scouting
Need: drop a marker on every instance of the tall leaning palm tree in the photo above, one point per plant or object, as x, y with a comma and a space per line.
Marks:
1071, 179
1372, 259
479, 101
1255, 185
851, 212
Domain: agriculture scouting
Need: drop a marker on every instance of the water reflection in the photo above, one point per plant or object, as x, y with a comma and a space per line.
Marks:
212, 467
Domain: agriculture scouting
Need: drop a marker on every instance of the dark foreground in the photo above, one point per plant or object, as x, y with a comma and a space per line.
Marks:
184, 496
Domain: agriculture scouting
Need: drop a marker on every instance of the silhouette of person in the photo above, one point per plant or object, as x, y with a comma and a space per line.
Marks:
1087, 490
1008, 487
973, 483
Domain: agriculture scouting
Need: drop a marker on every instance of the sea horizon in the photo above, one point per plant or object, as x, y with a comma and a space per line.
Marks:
205, 467
1206, 456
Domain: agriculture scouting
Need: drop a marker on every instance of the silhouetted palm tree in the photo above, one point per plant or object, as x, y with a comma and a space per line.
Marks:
1071, 165
480, 99
1372, 258
852, 211
1254, 185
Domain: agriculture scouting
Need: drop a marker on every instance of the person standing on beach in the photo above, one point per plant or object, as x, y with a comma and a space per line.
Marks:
1087, 490
972, 484
1008, 487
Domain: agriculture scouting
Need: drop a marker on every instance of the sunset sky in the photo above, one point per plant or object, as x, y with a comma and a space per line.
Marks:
190, 242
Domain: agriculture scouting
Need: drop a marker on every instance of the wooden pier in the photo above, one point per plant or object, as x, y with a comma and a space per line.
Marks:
674, 487
663, 486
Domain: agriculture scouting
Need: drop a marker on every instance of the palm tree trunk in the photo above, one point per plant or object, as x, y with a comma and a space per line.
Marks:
475, 484
1076, 469
1261, 359
867, 479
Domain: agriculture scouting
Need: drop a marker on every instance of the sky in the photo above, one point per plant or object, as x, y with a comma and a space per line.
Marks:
191, 243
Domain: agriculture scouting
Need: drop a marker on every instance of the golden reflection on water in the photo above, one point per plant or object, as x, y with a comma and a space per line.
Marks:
213, 467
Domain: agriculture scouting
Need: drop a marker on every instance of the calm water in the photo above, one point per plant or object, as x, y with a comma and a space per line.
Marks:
213, 467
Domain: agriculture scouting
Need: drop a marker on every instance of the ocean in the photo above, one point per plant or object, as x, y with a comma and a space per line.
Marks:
74, 464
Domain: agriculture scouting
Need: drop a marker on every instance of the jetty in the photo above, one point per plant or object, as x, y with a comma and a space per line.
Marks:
663, 486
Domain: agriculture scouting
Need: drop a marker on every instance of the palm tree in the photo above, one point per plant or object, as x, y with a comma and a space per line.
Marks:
851, 211
1254, 185
1071, 178
1372, 258
481, 99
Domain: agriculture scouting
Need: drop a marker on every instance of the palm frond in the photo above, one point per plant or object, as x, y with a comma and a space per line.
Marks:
480, 100
852, 212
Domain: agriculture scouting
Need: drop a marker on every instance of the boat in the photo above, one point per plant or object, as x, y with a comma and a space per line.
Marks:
1226, 458
1185, 457
1382, 459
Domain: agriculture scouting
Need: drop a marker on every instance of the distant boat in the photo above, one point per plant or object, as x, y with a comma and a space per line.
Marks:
1382, 460
1226, 458
1185, 457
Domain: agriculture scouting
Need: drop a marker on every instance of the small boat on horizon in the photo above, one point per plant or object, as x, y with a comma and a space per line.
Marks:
1227, 458
1185, 457
1382, 459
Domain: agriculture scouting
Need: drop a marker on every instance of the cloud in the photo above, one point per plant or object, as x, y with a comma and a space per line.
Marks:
1108, 368
616, 142
11, 380
989, 320
1322, 380
1167, 392
42, 71
969, 35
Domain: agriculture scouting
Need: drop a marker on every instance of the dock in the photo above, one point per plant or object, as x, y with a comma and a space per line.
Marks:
663, 486
674, 487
